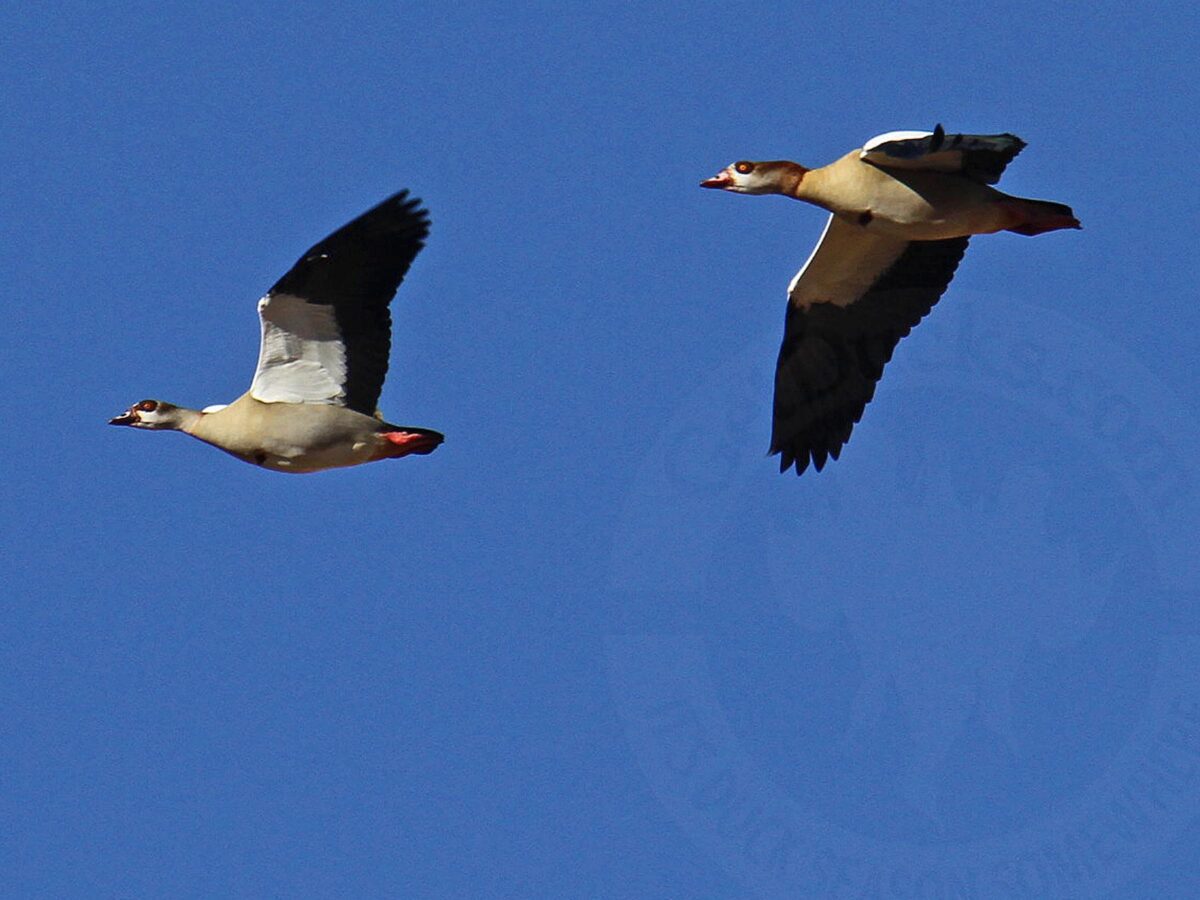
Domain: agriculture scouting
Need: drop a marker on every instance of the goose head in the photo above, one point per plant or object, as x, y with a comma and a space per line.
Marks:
154, 415
748, 177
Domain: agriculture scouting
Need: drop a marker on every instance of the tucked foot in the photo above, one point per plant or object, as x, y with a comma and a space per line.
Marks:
1039, 216
404, 443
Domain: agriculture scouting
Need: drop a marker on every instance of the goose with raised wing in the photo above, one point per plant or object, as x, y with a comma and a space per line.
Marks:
902, 209
326, 337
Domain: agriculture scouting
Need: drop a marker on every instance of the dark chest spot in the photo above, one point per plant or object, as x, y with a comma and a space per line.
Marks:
864, 218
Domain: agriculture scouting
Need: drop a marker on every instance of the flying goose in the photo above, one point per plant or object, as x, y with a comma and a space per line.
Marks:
902, 210
326, 334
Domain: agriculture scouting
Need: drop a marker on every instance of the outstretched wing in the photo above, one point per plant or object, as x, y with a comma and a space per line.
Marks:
848, 307
326, 328
981, 157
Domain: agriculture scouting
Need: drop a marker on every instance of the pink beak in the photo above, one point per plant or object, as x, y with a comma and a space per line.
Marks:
720, 180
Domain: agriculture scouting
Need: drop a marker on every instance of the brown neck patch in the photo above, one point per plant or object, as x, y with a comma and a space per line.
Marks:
787, 175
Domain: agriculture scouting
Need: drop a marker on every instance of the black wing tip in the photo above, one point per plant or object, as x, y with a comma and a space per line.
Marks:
1014, 140
396, 227
788, 459
1015, 146
403, 198
399, 215
939, 135
407, 208
800, 455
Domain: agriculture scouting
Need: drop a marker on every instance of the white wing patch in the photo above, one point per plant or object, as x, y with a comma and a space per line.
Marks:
844, 264
808, 262
302, 358
892, 136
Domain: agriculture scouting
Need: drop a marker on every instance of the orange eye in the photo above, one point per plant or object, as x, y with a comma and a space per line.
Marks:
148, 405
744, 168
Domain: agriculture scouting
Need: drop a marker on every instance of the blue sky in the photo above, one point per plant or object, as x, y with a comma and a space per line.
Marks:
595, 646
